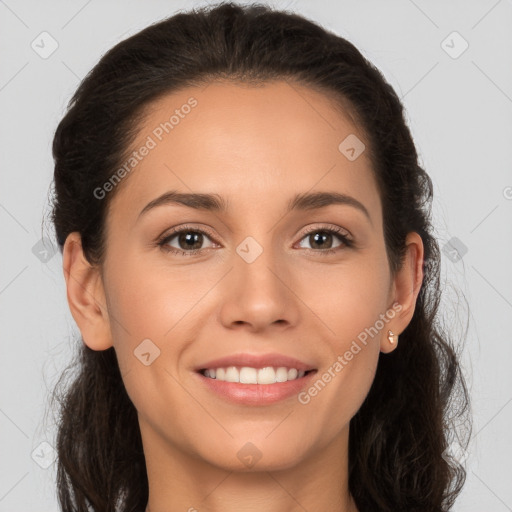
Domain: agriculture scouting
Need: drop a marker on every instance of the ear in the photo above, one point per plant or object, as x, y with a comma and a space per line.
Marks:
405, 289
85, 294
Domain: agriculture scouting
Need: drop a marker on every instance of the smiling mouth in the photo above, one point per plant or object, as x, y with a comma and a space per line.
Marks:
249, 375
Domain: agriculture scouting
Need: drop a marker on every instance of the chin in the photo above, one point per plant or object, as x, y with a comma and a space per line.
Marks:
252, 455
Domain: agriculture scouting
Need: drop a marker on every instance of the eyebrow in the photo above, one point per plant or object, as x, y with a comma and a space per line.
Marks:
216, 203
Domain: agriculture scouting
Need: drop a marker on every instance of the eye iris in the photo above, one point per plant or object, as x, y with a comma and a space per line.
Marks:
190, 239
322, 235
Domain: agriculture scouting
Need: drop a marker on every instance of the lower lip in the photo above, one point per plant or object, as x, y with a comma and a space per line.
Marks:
256, 394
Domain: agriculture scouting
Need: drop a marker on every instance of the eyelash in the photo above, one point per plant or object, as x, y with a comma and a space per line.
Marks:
163, 241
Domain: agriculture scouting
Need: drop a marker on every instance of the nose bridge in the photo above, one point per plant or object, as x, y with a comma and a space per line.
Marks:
255, 265
257, 294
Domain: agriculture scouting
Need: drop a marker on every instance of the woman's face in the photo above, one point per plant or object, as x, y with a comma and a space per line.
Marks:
268, 280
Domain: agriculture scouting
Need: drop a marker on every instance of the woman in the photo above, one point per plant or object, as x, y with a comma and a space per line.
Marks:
249, 258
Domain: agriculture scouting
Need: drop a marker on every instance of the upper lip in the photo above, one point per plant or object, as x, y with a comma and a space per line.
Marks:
256, 361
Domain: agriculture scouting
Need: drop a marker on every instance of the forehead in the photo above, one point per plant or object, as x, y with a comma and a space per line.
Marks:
252, 144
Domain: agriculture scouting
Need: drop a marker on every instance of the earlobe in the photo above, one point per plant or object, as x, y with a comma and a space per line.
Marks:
406, 287
85, 294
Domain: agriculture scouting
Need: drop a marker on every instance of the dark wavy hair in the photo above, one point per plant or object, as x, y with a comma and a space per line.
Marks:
398, 445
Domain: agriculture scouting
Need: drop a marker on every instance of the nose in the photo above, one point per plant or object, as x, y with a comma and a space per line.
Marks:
259, 295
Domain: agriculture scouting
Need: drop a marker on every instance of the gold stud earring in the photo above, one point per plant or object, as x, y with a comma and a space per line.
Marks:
393, 338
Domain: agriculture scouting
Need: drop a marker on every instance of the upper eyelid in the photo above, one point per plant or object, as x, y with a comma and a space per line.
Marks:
330, 227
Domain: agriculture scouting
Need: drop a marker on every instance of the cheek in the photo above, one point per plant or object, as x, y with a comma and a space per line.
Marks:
346, 298
141, 310
159, 303
349, 304
143, 307
146, 301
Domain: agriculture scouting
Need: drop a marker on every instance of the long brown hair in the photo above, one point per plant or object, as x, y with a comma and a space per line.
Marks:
399, 438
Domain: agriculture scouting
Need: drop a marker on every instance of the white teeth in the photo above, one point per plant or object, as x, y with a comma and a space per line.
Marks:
282, 375
248, 375
232, 374
266, 375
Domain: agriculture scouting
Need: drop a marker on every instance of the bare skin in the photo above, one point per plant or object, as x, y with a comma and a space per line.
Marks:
257, 148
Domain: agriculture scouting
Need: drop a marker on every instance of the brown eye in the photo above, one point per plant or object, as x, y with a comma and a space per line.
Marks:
190, 240
326, 240
321, 240
185, 241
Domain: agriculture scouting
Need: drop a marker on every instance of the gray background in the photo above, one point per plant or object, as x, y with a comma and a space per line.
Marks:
460, 112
